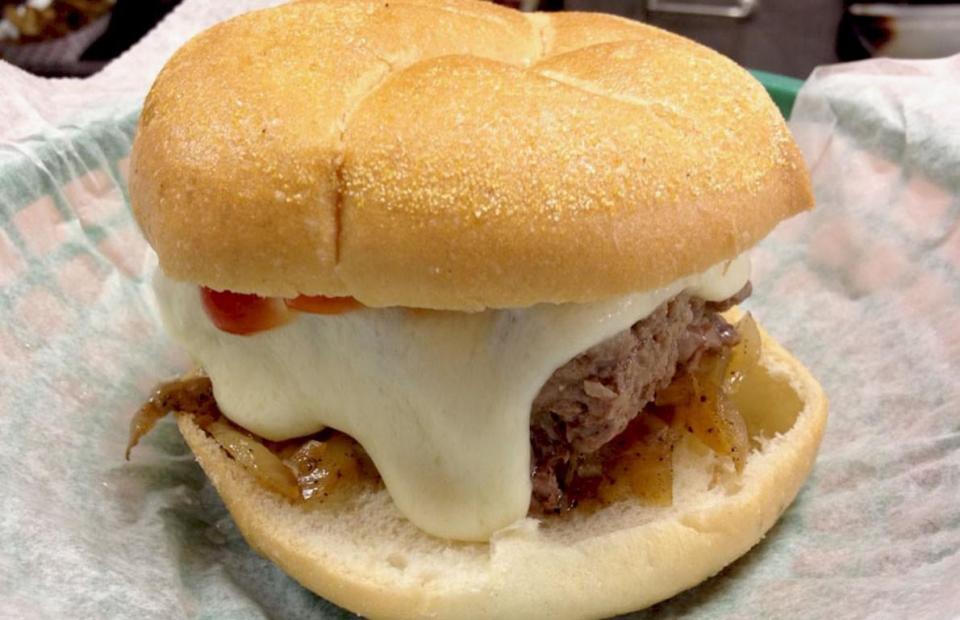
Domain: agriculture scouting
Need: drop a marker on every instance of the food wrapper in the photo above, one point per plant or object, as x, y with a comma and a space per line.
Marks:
865, 290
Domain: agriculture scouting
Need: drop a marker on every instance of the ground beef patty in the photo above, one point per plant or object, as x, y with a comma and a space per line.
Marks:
590, 400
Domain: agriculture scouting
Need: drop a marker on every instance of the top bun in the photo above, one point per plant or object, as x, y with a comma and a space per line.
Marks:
454, 154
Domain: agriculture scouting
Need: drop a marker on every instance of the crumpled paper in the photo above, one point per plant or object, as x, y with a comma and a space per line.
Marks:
865, 290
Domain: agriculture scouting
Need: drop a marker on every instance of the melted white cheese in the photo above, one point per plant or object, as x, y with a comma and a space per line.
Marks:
440, 400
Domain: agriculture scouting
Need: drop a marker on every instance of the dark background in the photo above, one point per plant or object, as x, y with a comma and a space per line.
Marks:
783, 36
790, 37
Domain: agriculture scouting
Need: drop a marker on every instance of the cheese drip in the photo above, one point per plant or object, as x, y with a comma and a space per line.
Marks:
440, 400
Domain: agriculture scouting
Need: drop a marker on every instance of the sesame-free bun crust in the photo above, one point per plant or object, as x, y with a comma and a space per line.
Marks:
454, 154
364, 556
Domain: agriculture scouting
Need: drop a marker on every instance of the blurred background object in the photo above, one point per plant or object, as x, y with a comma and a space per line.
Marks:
40, 20
791, 37
74, 38
717, 8
788, 37
899, 30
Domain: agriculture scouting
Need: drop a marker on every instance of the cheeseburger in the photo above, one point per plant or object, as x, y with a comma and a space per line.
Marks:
461, 287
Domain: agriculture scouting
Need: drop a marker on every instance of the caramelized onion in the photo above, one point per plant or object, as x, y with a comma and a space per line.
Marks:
142, 423
191, 394
710, 416
256, 458
703, 400
679, 392
643, 465
744, 357
321, 467
297, 469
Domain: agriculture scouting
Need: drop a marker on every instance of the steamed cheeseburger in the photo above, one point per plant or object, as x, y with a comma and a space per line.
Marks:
460, 284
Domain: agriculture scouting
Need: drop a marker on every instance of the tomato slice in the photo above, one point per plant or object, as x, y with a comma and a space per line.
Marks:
238, 313
319, 304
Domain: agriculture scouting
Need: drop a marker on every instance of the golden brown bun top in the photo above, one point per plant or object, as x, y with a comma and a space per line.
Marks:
454, 154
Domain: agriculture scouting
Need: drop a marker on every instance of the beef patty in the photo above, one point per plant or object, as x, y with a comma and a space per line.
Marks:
590, 400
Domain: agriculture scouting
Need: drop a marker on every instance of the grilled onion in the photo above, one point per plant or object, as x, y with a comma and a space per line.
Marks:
703, 401
321, 467
256, 458
193, 394
643, 465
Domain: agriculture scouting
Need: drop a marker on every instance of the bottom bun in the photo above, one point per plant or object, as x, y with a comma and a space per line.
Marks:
363, 555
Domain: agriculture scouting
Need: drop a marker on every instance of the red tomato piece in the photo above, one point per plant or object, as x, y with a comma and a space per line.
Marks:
319, 304
238, 313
